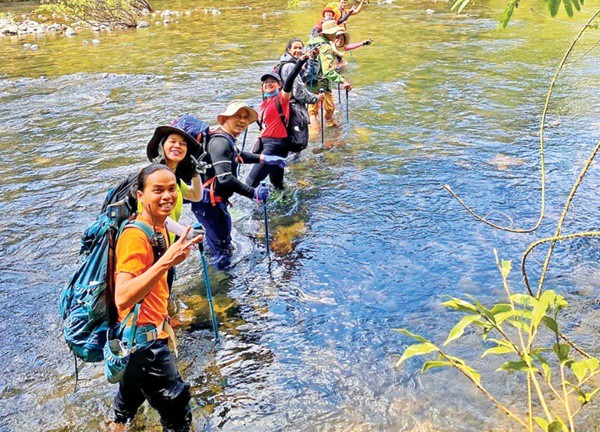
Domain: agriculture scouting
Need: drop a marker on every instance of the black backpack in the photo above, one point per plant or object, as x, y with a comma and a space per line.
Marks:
296, 126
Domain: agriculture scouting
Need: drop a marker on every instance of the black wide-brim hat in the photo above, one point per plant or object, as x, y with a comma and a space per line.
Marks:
162, 132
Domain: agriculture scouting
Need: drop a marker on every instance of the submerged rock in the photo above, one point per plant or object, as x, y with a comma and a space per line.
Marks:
143, 24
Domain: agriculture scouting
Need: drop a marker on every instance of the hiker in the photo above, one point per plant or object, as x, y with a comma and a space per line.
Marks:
141, 277
341, 8
321, 73
173, 147
274, 116
298, 124
221, 182
341, 44
329, 13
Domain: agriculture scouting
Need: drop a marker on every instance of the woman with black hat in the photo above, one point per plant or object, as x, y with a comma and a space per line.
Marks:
274, 114
173, 147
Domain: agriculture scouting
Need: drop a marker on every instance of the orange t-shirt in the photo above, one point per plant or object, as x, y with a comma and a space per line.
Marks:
135, 256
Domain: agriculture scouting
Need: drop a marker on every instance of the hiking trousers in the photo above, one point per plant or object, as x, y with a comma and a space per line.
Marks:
217, 224
151, 375
259, 172
328, 106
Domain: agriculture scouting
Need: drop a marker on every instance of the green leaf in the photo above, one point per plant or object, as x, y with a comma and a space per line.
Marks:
568, 7
542, 422
541, 307
576, 4
520, 325
500, 307
550, 323
470, 372
501, 342
498, 351
506, 16
579, 369
462, 6
592, 363
513, 366
505, 265
590, 396
503, 316
459, 328
523, 299
430, 364
557, 426
415, 350
562, 351
481, 308
545, 366
553, 7
460, 305
412, 335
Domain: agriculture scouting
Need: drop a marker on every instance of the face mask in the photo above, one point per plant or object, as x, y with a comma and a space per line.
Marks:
271, 94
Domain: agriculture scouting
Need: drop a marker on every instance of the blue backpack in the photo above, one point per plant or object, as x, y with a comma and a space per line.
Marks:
196, 128
87, 300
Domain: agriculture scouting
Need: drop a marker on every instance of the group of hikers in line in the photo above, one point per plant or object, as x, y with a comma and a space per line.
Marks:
202, 168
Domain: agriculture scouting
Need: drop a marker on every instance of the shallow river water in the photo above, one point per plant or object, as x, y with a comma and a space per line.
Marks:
377, 242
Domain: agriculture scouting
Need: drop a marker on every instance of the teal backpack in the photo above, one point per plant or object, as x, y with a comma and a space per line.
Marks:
87, 300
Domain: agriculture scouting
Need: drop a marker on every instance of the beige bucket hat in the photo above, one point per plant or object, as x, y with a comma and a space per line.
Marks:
233, 108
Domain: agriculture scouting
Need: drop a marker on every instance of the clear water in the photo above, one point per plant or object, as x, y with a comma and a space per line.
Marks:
308, 344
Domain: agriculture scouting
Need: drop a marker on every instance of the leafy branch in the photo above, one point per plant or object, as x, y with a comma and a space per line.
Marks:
524, 317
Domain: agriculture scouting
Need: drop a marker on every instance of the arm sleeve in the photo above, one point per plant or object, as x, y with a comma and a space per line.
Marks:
300, 92
250, 158
326, 57
221, 155
289, 82
344, 18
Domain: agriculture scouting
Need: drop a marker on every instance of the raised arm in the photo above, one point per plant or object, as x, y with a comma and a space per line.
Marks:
288, 85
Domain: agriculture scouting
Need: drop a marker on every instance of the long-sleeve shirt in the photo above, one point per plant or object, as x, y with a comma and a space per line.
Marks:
223, 156
326, 76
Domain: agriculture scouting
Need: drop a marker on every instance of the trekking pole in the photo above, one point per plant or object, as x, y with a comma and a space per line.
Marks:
339, 94
321, 91
347, 108
196, 229
266, 224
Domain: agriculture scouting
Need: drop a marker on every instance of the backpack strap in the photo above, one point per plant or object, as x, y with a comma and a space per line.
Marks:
280, 111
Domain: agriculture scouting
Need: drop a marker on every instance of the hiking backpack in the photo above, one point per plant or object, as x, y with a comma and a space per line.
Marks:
199, 130
297, 125
87, 299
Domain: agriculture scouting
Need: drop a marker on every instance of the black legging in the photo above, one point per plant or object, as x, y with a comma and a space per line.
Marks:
275, 147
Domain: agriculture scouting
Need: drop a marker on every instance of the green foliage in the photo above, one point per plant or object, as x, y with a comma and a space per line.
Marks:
114, 12
553, 6
515, 326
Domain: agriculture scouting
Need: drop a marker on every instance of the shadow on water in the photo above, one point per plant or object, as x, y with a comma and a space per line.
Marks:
365, 239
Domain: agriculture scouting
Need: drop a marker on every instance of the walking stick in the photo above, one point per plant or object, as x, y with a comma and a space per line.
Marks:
266, 225
196, 229
347, 108
321, 91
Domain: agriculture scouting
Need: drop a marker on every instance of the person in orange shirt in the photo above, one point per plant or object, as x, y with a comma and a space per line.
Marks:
141, 278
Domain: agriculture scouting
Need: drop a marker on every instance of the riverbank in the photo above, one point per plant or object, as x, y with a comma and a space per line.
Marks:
18, 25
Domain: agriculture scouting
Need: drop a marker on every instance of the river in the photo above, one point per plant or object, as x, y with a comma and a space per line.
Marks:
377, 242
